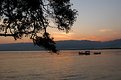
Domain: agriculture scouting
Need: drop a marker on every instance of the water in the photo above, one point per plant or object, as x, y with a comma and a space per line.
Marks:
40, 65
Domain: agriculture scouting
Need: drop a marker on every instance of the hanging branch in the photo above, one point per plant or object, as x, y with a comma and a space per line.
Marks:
20, 18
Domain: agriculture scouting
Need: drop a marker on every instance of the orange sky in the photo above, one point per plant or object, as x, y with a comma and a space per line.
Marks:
66, 36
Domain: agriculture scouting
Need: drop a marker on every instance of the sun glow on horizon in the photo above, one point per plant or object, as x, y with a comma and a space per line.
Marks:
61, 36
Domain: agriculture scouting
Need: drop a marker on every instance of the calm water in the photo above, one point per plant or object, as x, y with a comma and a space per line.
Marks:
66, 66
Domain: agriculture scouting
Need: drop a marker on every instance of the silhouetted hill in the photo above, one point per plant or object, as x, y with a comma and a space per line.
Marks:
19, 47
67, 44
77, 44
87, 44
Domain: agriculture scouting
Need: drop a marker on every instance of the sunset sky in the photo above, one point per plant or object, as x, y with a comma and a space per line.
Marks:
98, 20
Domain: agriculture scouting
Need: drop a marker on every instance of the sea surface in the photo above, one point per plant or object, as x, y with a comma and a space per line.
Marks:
68, 65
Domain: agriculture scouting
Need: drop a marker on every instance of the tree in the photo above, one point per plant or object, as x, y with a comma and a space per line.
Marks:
31, 18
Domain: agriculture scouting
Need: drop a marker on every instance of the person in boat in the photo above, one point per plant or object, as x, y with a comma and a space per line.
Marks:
84, 53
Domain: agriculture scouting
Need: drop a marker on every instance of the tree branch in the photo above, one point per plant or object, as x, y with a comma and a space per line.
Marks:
7, 34
3, 34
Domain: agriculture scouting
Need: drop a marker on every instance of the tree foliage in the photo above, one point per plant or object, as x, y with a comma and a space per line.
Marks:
23, 18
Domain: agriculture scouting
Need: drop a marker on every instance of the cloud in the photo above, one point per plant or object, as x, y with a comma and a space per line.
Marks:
105, 30
62, 35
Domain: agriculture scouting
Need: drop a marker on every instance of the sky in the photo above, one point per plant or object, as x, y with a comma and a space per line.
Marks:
97, 20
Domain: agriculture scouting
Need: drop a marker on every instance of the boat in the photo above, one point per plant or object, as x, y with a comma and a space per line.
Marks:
84, 53
97, 53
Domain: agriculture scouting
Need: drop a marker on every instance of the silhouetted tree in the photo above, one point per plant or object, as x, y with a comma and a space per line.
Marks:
30, 18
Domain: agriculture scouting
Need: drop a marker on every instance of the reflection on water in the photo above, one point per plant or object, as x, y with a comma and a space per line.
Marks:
66, 66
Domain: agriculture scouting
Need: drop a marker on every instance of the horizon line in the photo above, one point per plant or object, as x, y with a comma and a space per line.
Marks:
63, 40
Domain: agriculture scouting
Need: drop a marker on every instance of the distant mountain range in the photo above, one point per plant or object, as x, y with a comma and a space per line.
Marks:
65, 45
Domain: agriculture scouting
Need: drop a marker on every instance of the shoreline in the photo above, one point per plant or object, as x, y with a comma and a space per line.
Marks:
67, 49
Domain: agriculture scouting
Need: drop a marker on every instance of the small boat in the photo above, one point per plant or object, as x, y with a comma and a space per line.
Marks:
84, 53
97, 53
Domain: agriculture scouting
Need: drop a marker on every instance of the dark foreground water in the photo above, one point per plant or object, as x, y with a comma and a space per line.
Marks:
66, 66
